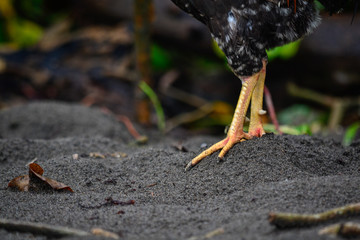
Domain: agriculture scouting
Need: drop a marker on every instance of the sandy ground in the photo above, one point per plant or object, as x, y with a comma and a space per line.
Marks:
273, 173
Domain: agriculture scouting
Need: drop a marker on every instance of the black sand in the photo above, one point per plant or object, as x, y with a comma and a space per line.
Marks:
273, 173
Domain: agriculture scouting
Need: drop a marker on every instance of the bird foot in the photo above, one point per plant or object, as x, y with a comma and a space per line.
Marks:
256, 131
225, 145
252, 89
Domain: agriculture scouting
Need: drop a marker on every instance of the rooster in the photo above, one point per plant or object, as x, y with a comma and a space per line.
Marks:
244, 29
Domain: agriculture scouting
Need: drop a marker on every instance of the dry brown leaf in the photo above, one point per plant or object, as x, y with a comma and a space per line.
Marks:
21, 183
35, 168
36, 180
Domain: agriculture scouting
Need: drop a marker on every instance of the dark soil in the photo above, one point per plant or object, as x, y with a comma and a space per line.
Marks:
274, 173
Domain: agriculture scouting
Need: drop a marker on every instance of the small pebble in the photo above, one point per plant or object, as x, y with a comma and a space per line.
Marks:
203, 145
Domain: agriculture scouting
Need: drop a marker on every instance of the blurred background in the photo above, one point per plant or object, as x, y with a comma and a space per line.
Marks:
153, 64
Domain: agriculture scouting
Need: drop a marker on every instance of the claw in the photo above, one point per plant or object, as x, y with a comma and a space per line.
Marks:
252, 88
188, 166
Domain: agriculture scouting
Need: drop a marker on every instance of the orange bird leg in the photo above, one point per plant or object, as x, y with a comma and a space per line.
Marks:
252, 89
256, 128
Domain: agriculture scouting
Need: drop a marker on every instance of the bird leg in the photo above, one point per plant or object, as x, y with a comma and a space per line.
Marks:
255, 128
252, 88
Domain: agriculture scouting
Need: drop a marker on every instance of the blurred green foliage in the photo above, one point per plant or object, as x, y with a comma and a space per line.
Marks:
284, 52
319, 6
15, 30
23, 33
23, 22
305, 118
156, 102
350, 133
292, 130
161, 58
298, 114
218, 51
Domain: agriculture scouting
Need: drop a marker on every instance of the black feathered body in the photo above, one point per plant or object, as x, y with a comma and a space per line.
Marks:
244, 29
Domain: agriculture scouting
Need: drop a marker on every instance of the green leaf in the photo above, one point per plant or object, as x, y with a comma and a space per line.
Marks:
23, 32
284, 52
155, 101
161, 59
218, 51
292, 130
350, 133
319, 6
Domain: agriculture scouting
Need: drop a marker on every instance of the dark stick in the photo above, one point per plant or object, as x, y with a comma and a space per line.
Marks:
288, 220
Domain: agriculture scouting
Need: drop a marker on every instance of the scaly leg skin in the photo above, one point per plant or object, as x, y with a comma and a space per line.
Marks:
256, 128
252, 88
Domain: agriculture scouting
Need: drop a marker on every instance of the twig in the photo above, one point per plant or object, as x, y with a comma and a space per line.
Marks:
151, 185
140, 139
270, 107
337, 105
189, 117
130, 127
185, 97
348, 229
287, 220
60, 33
209, 235
167, 89
41, 229
311, 95
203, 107
103, 233
142, 17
